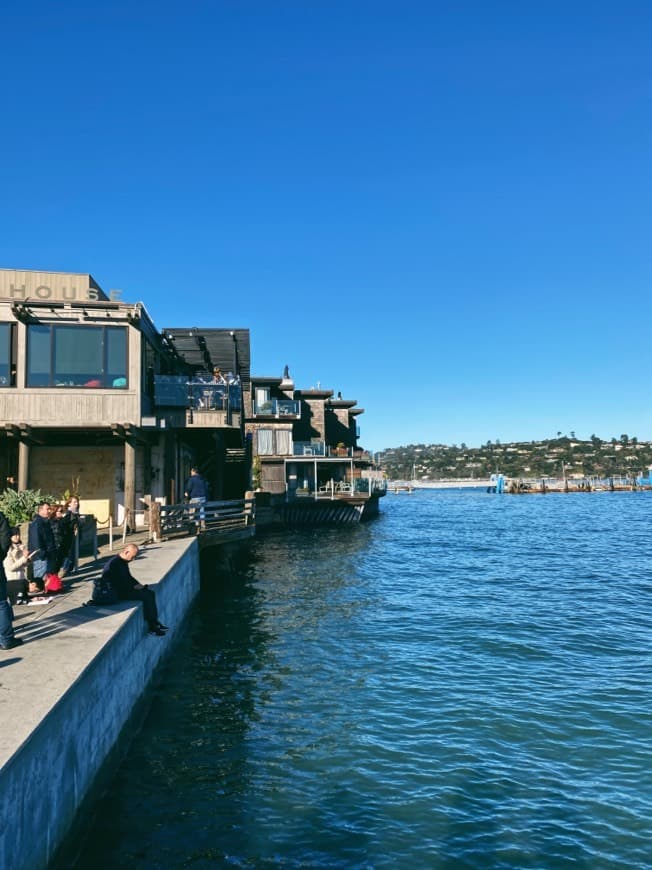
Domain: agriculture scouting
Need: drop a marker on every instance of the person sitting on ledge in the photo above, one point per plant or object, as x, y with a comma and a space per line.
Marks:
126, 588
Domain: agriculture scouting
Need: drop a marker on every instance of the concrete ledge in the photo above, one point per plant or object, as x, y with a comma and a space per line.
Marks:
66, 694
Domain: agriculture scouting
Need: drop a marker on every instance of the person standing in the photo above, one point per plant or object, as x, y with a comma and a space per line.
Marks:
64, 535
69, 564
40, 538
126, 588
7, 639
196, 491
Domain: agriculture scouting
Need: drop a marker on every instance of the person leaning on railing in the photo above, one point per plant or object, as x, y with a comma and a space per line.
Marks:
196, 491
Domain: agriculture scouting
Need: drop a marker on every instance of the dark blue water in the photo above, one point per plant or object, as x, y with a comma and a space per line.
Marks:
465, 682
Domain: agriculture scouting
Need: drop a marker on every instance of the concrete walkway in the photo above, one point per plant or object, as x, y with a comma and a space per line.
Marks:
62, 638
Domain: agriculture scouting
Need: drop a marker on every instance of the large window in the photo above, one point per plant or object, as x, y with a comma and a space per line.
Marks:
272, 442
7, 364
77, 356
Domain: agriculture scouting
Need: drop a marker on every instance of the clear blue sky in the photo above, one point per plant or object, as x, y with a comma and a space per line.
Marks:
442, 209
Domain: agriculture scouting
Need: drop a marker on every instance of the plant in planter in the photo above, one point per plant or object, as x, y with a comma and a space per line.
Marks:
256, 473
20, 507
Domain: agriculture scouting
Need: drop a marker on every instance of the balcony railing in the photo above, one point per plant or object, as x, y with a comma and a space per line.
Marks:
178, 391
342, 488
309, 448
222, 517
320, 448
277, 408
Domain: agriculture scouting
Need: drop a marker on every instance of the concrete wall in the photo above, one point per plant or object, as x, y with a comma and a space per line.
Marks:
45, 780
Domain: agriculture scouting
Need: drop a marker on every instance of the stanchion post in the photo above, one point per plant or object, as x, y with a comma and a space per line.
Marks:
155, 520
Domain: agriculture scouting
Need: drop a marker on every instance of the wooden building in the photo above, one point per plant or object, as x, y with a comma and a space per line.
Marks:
305, 448
94, 398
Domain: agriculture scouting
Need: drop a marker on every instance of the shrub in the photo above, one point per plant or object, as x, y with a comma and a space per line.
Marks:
20, 507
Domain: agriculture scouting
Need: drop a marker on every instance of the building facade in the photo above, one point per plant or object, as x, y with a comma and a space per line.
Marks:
304, 445
94, 399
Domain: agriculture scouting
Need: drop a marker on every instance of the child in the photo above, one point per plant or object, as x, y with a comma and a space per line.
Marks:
15, 565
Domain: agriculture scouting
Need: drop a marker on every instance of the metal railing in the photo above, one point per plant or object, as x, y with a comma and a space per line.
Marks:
277, 408
309, 448
190, 518
179, 392
320, 448
355, 487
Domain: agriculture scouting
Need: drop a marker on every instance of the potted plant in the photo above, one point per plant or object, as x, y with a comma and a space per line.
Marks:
20, 507
256, 474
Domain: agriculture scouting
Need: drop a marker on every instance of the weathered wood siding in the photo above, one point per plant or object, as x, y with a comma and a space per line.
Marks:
56, 469
20, 284
72, 408
273, 476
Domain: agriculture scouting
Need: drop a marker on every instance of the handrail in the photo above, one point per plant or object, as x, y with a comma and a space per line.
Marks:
193, 518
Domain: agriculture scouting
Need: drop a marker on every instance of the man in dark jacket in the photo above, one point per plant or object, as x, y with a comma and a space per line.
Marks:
126, 588
40, 537
7, 639
196, 491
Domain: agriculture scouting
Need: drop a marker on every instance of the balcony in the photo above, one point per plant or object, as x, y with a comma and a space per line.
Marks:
320, 448
309, 448
278, 409
206, 404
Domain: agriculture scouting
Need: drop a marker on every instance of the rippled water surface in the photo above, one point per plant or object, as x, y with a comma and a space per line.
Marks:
464, 682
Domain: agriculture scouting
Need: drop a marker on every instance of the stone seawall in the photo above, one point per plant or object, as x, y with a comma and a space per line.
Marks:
66, 694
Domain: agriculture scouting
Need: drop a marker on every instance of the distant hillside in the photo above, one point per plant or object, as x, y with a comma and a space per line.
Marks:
594, 457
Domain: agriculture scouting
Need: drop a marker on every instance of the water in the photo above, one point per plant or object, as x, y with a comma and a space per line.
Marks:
465, 682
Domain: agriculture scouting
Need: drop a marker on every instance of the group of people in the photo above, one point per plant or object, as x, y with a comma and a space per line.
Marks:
28, 571
51, 537
50, 553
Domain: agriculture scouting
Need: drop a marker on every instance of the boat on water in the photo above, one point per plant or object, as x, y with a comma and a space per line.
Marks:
400, 486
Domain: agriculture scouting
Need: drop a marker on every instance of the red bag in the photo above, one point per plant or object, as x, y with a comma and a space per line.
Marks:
53, 583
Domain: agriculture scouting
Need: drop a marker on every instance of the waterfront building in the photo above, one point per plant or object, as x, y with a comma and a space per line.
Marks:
93, 397
306, 456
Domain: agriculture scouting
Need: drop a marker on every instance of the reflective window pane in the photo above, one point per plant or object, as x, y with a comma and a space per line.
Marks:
78, 356
116, 357
93, 357
38, 356
5, 354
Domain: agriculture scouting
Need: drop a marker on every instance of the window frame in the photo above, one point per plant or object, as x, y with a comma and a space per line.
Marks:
52, 374
11, 356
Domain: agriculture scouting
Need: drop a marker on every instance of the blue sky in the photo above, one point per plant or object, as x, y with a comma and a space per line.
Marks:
441, 209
